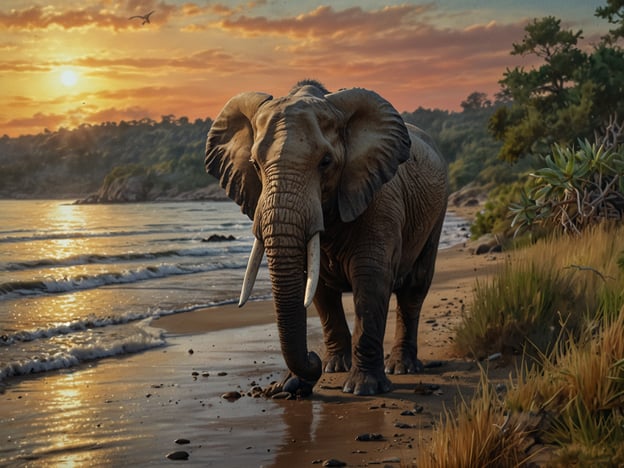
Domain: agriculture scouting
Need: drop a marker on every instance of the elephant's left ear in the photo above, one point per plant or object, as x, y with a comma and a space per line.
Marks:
377, 142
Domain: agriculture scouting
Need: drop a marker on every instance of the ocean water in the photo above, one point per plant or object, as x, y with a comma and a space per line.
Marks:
82, 282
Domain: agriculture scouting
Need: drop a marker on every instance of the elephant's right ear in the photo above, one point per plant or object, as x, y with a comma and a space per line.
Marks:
228, 150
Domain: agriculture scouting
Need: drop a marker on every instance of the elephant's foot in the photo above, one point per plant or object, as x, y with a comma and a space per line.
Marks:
366, 383
403, 361
337, 362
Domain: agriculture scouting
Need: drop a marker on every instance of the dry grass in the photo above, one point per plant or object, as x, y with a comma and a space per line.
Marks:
563, 299
558, 283
481, 434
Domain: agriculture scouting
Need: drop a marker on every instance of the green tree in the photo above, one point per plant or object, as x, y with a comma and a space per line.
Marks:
613, 12
542, 96
476, 101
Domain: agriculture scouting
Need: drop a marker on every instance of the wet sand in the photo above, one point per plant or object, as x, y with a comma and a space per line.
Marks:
131, 410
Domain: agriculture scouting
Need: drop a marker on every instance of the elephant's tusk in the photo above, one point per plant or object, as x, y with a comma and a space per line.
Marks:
253, 265
314, 263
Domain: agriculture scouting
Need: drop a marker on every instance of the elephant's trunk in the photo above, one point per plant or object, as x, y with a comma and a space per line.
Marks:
285, 243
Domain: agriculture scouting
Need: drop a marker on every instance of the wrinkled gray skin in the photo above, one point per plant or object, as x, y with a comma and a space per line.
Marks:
344, 165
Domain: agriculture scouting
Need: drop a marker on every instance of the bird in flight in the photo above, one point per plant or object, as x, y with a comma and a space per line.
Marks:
145, 18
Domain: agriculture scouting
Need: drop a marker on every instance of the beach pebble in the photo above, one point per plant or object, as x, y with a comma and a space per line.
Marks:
190, 351
182, 441
426, 389
334, 462
231, 396
178, 455
282, 396
368, 437
401, 425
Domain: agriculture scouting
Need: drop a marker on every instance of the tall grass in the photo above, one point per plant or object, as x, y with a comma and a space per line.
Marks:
579, 391
563, 301
481, 434
555, 284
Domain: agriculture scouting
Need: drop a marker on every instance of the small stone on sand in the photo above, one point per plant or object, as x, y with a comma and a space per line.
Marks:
178, 455
334, 462
231, 396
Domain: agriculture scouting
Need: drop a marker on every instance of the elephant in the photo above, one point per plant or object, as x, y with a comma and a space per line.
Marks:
344, 196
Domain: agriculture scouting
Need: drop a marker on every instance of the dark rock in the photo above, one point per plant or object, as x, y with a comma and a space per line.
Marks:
334, 462
218, 238
483, 249
369, 436
282, 396
231, 396
182, 441
178, 455
426, 389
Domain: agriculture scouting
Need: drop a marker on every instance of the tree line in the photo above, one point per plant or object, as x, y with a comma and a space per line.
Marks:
77, 162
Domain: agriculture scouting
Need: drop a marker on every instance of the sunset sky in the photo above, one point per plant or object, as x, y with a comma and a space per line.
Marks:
67, 63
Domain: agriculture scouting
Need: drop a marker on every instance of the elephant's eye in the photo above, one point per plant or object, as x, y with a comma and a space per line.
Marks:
325, 162
255, 164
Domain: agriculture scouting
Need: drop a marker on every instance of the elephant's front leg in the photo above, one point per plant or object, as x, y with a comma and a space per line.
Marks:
367, 376
337, 337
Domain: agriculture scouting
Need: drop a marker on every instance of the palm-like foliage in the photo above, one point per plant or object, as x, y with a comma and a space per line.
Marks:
576, 188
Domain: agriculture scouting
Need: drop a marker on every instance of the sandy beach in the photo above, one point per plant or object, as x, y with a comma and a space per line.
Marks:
139, 409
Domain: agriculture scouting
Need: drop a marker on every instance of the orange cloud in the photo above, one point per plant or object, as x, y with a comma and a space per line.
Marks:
413, 55
324, 22
37, 17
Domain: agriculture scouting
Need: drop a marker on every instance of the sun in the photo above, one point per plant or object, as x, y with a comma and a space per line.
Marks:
69, 78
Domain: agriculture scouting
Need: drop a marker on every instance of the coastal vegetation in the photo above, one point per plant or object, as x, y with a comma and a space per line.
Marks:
165, 156
556, 306
557, 309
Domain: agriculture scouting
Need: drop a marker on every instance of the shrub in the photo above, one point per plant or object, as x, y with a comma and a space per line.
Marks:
480, 435
525, 303
540, 290
579, 390
576, 188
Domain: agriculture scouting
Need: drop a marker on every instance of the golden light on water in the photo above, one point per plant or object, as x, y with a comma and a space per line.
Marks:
65, 218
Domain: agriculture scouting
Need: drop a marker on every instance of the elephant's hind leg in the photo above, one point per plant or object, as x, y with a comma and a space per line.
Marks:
337, 337
403, 358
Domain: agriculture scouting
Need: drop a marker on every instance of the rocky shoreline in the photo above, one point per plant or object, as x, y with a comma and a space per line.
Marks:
134, 192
